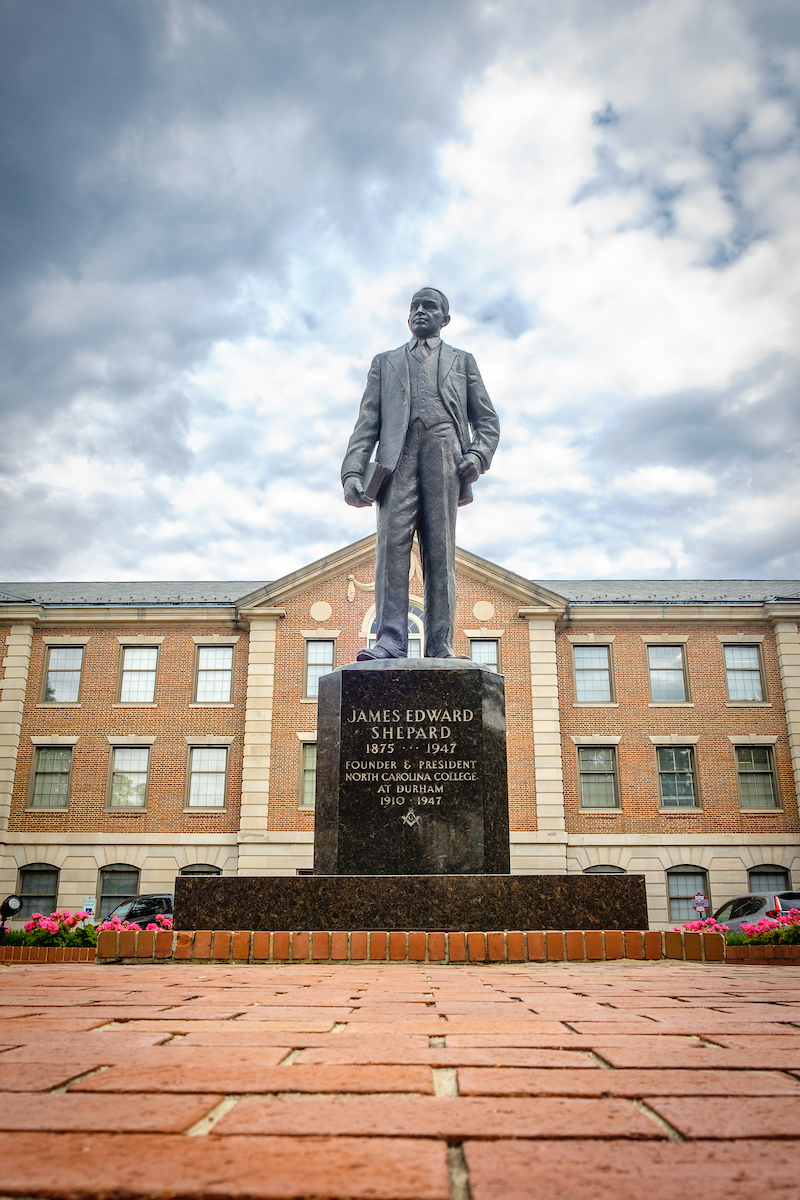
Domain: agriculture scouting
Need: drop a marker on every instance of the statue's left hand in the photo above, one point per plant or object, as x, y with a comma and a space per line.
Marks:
469, 469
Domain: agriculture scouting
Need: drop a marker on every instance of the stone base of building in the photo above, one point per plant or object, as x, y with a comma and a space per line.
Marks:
408, 946
424, 902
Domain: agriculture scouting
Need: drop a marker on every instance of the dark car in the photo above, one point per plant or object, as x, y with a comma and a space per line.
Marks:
752, 907
142, 909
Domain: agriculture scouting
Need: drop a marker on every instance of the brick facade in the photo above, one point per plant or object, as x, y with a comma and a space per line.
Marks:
97, 717
708, 715
263, 829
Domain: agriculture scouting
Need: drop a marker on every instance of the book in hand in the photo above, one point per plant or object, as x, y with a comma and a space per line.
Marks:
373, 479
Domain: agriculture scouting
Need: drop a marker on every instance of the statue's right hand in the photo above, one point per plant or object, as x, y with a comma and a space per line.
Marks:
354, 493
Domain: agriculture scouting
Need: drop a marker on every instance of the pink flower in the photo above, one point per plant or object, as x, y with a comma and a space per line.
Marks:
151, 926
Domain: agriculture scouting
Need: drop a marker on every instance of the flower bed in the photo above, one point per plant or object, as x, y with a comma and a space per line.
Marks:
65, 929
772, 939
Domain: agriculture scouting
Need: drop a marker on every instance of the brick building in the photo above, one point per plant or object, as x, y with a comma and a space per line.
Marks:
152, 728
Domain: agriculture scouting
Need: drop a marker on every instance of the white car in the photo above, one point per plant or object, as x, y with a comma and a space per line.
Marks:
752, 907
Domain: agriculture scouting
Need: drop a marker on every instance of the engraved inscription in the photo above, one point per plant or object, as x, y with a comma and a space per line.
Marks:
411, 772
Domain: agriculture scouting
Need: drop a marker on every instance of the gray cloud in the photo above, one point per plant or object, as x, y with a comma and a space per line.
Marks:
178, 173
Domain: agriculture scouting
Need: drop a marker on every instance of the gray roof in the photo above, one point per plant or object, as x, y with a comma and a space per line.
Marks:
577, 591
222, 592
673, 591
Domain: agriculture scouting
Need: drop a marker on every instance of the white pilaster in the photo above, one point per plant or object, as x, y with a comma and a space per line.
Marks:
257, 743
12, 699
788, 643
547, 764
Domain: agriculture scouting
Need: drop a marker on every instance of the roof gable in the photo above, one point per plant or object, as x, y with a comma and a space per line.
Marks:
271, 595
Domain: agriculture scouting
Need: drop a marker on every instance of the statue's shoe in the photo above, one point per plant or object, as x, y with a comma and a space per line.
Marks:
366, 655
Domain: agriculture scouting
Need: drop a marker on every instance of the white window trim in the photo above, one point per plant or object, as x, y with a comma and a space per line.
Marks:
674, 739
741, 637
216, 639
54, 740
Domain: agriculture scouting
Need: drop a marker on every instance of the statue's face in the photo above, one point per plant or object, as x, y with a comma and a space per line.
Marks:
427, 317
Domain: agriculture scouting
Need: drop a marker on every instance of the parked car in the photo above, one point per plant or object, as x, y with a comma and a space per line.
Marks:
142, 909
752, 907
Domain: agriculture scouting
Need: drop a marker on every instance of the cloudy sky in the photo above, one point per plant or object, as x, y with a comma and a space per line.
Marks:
214, 213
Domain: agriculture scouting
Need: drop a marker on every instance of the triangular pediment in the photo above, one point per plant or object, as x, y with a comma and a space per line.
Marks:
272, 595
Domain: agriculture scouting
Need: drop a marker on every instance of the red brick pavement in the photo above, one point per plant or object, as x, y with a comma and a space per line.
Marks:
565, 1081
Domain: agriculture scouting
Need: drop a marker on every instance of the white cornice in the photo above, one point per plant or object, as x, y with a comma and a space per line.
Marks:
19, 614
148, 614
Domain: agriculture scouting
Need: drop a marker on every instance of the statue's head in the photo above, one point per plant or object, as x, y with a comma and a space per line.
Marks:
429, 313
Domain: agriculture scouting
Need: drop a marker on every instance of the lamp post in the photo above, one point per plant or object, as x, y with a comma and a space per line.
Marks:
9, 908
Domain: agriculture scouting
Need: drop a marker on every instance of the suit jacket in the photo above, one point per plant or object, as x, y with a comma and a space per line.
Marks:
383, 416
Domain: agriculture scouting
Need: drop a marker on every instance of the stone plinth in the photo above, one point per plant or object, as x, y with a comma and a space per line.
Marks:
423, 902
411, 770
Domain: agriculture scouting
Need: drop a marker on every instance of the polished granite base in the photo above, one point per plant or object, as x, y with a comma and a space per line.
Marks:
425, 902
411, 769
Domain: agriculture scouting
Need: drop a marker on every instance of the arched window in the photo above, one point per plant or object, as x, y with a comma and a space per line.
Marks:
605, 869
200, 869
683, 883
416, 632
118, 883
769, 879
38, 887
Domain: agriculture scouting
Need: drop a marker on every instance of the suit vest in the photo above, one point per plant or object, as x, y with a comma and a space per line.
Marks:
426, 402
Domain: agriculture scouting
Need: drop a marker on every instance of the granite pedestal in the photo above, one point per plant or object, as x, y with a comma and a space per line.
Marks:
411, 770
428, 902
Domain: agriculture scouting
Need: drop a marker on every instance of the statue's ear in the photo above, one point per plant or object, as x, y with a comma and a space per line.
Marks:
446, 321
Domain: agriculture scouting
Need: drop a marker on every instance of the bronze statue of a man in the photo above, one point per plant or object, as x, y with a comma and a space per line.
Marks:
436, 431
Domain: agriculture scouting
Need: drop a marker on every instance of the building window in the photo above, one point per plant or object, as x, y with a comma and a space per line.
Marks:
138, 676
485, 651
676, 776
38, 887
605, 869
667, 674
117, 884
214, 674
208, 769
683, 884
592, 674
319, 662
598, 775
743, 673
756, 777
197, 869
416, 632
769, 879
129, 765
308, 774
62, 683
51, 777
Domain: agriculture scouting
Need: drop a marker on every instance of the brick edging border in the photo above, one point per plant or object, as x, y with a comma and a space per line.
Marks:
413, 946
257, 946
47, 954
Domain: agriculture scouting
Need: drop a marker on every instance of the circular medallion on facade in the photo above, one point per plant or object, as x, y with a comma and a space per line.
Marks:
321, 610
483, 610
